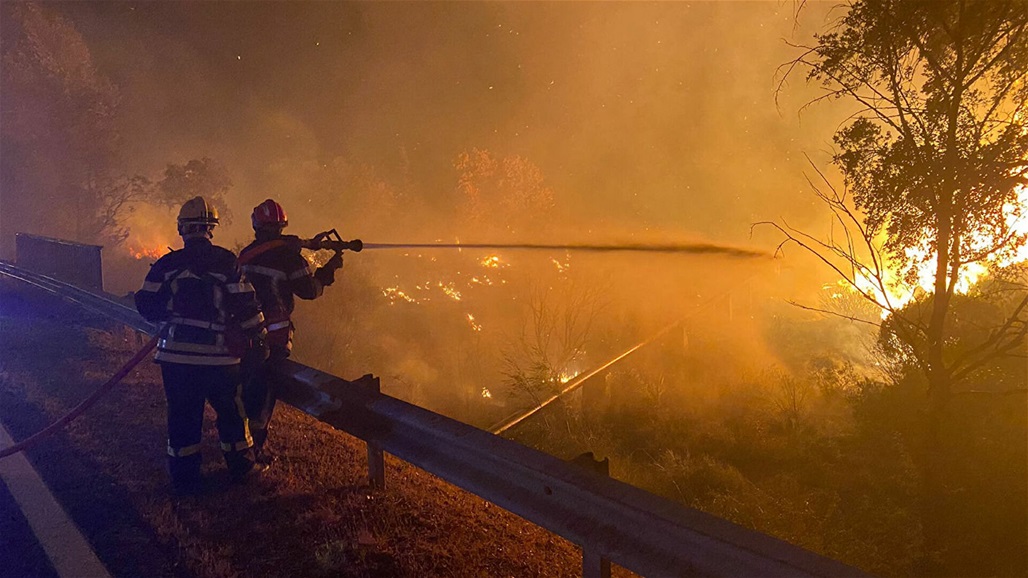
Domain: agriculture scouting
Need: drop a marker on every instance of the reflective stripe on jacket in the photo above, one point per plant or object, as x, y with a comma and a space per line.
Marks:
197, 294
279, 272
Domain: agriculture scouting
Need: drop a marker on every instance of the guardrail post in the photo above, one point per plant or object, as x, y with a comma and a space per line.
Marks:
594, 565
376, 458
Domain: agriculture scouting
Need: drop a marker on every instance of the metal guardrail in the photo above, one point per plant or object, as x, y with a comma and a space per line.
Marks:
642, 532
97, 302
76, 263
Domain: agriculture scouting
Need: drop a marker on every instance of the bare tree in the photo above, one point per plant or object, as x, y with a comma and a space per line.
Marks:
538, 363
115, 197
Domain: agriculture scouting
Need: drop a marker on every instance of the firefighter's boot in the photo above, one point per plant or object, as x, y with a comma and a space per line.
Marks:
260, 438
185, 475
241, 466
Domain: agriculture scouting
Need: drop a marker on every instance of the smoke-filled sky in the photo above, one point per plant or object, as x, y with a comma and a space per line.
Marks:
641, 116
644, 121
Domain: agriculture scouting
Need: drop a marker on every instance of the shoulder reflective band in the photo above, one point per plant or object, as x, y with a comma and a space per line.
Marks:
262, 248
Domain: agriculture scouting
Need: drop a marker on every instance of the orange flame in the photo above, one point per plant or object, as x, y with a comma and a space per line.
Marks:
899, 294
155, 252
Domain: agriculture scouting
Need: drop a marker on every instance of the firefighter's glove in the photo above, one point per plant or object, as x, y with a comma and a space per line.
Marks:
336, 262
326, 274
256, 353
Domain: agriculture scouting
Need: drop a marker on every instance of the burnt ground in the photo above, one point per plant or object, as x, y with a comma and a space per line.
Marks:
311, 514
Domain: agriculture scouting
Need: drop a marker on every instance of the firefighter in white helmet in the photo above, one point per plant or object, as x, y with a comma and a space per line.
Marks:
199, 298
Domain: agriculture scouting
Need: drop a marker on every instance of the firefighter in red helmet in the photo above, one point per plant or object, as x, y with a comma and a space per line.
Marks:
279, 272
198, 295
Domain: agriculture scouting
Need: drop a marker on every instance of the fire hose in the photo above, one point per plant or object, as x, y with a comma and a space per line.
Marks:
84, 405
331, 240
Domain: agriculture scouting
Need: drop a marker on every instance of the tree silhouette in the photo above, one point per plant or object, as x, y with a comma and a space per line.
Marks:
59, 138
509, 190
934, 161
198, 177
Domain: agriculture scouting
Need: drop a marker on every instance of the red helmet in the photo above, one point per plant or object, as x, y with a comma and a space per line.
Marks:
269, 214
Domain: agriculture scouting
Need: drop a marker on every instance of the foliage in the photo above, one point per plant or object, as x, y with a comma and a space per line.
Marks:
202, 177
511, 186
934, 158
847, 492
59, 161
940, 141
934, 162
984, 318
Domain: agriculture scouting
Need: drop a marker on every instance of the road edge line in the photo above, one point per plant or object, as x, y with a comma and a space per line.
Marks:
68, 550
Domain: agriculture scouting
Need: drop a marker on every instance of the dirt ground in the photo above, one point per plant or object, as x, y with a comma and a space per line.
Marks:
311, 514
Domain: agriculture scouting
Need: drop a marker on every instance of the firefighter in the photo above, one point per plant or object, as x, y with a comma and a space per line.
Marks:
279, 272
199, 298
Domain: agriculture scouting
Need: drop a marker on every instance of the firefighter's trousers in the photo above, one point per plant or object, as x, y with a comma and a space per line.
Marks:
259, 396
187, 387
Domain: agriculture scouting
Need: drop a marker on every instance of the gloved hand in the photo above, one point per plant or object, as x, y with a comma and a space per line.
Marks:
258, 339
256, 353
326, 274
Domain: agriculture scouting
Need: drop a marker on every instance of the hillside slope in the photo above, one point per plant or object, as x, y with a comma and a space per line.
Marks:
312, 514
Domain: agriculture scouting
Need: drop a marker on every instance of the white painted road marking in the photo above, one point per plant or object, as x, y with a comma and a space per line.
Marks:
68, 550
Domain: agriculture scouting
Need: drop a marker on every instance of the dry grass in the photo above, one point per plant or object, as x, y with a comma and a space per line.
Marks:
311, 514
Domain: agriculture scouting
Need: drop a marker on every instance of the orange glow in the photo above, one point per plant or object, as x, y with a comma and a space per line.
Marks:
565, 377
155, 252
394, 294
450, 291
898, 294
493, 262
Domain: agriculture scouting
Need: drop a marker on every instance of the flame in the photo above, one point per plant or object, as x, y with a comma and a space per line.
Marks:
899, 294
493, 262
561, 267
151, 231
565, 377
450, 290
395, 294
155, 252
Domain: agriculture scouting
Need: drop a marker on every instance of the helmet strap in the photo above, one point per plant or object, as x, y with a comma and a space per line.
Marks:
196, 230
268, 232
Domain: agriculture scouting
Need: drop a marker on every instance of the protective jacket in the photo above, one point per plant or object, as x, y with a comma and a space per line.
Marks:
198, 293
278, 272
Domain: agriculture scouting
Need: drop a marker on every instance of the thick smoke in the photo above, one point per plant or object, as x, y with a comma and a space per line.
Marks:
658, 116
478, 122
